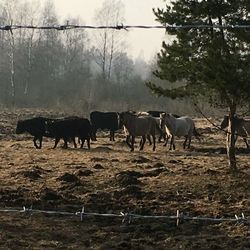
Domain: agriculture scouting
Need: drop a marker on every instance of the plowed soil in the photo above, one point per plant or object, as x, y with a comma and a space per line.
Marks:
110, 179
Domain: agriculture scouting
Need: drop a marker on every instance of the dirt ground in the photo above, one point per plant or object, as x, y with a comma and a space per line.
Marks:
110, 179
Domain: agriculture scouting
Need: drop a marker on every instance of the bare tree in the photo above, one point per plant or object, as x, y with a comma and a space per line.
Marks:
75, 60
30, 37
75, 44
11, 13
108, 42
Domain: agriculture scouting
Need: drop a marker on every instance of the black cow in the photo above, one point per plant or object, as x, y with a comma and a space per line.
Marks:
34, 126
69, 128
105, 120
155, 113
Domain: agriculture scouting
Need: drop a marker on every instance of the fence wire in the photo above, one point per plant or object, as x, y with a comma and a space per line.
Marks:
128, 217
124, 27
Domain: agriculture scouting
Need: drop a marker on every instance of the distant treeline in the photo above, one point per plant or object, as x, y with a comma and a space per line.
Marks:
41, 68
70, 70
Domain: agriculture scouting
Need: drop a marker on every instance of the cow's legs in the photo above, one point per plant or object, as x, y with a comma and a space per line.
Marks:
166, 141
74, 142
34, 140
94, 134
140, 142
132, 143
185, 142
40, 142
112, 135
189, 141
56, 142
128, 140
143, 139
65, 145
82, 142
149, 140
172, 144
88, 143
162, 137
40, 138
153, 142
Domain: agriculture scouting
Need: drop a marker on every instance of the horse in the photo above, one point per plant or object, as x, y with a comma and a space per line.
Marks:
161, 135
242, 127
182, 126
139, 126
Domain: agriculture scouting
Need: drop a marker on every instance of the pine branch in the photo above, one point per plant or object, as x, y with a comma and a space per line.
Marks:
179, 92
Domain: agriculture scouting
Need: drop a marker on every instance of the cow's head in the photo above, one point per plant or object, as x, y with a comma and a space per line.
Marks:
21, 127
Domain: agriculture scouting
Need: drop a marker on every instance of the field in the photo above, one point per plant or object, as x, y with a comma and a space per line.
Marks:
110, 179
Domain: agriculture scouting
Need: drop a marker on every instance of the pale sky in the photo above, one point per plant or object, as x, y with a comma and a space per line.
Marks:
144, 43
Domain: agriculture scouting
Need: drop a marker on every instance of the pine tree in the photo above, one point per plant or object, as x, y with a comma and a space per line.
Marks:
211, 62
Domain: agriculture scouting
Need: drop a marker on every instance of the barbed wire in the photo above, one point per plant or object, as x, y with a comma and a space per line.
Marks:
124, 27
127, 217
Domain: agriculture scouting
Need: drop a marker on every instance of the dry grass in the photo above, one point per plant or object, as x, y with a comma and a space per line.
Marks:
109, 178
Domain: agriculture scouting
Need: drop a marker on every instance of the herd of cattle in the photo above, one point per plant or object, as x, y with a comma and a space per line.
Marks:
147, 125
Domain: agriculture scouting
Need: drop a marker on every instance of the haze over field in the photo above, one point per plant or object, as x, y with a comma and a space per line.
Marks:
144, 43
97, 68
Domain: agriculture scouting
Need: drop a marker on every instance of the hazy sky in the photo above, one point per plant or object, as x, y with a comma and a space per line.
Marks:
144, 43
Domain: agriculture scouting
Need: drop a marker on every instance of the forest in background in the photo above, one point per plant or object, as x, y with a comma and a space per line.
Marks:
73, 70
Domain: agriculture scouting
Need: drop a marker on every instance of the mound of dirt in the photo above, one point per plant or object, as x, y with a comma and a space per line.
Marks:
140, 160
127, 194
86, 172
16, 146
48, 194
127, 178
98, 159
133, 190
67, 177
158, 165
15, 196
102, 149
33, 174
155, 172
175, 161
100, 201
98, 166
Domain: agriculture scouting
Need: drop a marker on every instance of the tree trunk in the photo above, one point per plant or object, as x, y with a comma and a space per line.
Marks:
12, 69
111, 56
104, 56
231, 140
29, 69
